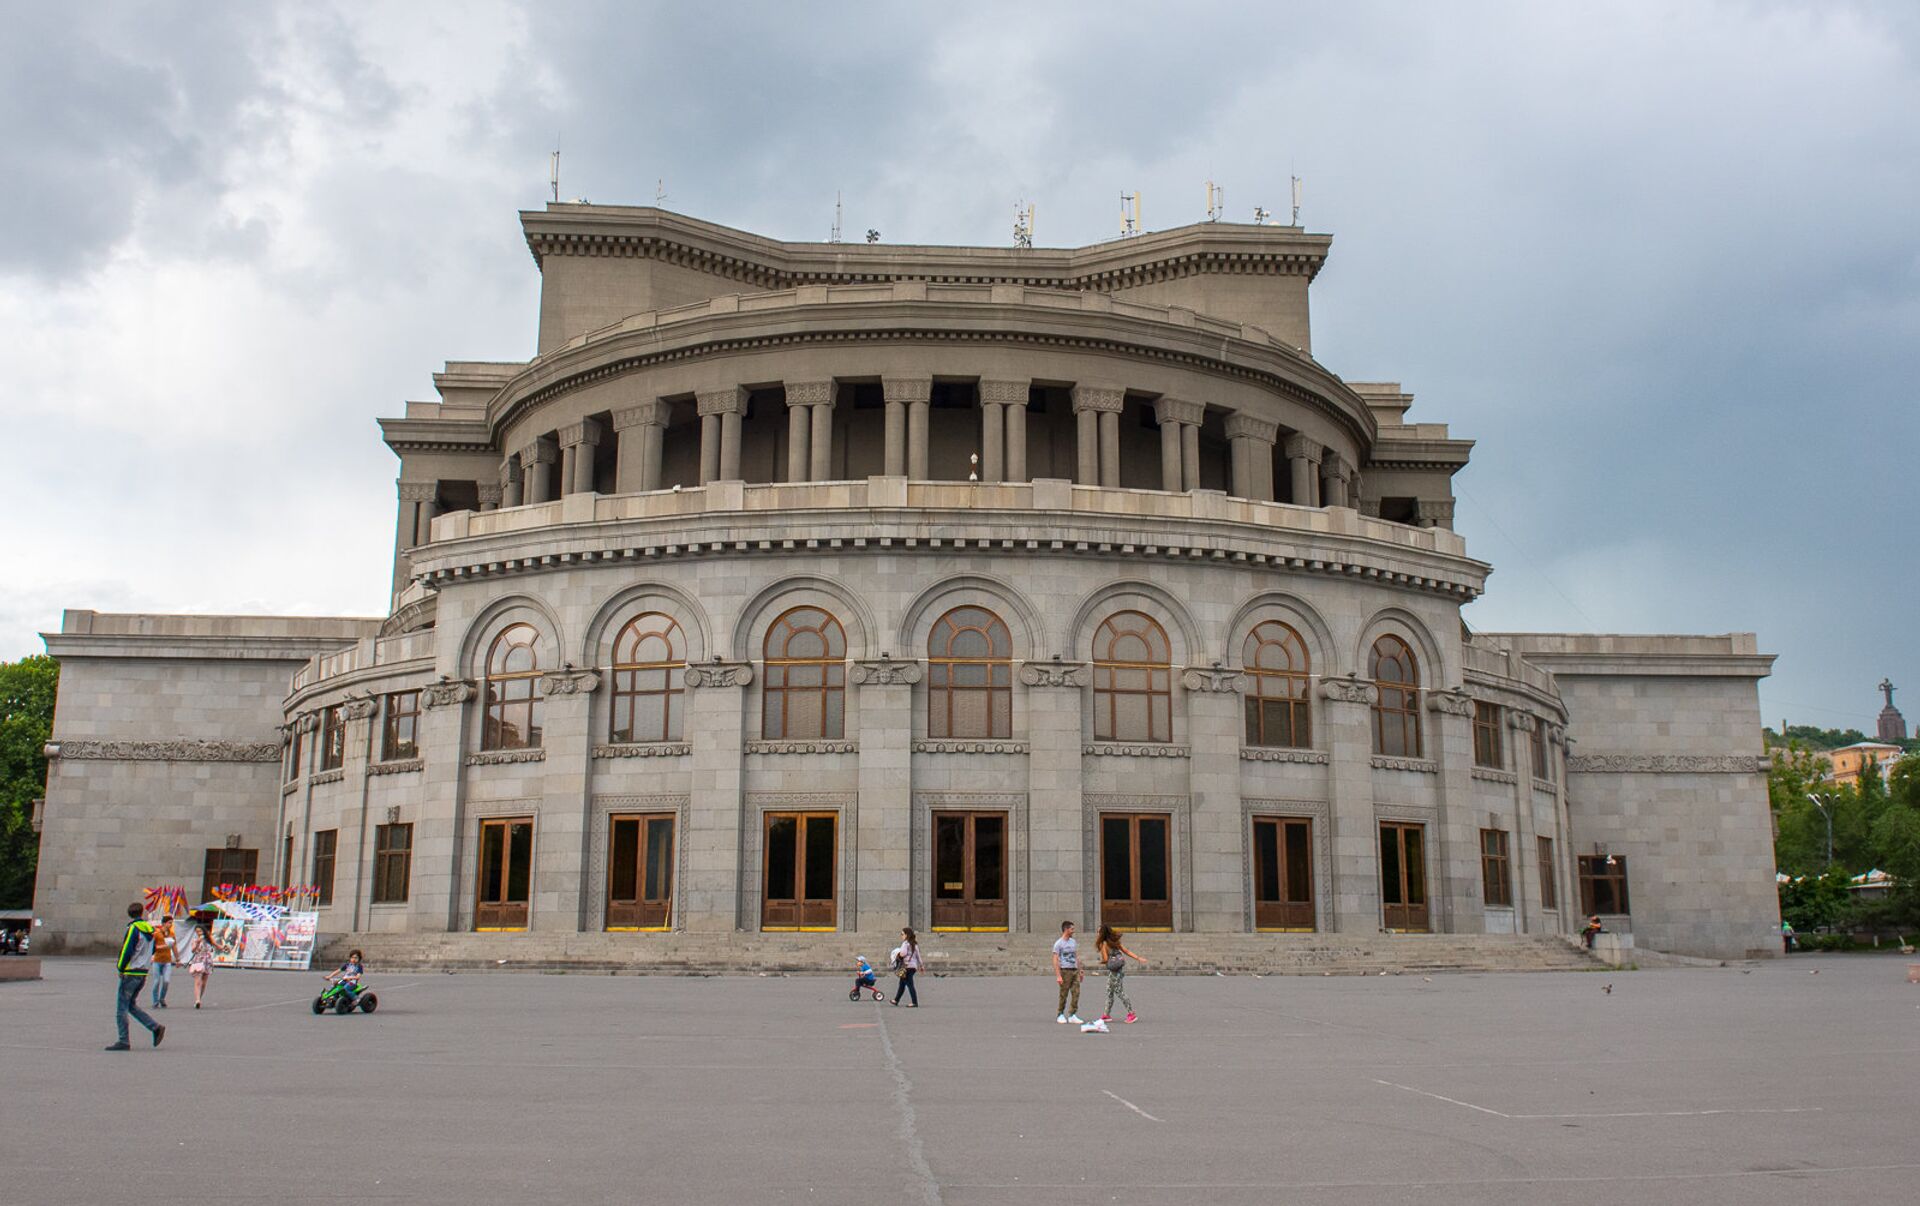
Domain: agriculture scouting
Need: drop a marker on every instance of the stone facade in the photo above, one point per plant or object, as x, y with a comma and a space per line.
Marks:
1120, 466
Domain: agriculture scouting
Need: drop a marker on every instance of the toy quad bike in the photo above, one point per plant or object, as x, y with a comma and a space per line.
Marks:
343, 998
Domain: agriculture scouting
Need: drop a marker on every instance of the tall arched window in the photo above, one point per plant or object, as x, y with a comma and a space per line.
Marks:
1396, 714
970, 676
513, 702
806, 694
1278, 702
1132, 680
649, 657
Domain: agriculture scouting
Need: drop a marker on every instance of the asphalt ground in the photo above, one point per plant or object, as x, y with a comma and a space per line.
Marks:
1749, 1085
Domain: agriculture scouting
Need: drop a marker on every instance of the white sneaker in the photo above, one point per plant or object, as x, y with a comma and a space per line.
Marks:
1094, 1027
1062, 1019
1073, 1018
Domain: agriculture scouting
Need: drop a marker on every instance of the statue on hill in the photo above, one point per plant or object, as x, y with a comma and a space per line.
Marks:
1893, 726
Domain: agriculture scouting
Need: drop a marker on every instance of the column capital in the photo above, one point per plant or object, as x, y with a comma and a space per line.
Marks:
1369, 507
906, 389
447, 694
569, 682
1431, 511
1334, 465
418, 491
885, 672
1450, 703
1178, 410
586, 431
1522, 721
1098, 397
541, 452
730, 401
1351, 689
489, 493
509, 470
1008, 392
361, 709
1299, 447
719, 674
810, 393
1218, 680
1247, 427
1071, 675
647, 414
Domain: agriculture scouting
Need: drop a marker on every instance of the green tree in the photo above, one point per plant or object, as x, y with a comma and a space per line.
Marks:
26, 721
1813, 901
1800, 832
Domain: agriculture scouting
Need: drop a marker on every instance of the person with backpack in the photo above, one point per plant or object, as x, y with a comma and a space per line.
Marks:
136, 958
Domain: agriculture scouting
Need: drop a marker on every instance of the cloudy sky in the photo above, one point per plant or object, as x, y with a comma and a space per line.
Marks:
1661, 261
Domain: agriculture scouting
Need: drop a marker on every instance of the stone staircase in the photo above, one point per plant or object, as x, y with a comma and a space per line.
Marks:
954, 954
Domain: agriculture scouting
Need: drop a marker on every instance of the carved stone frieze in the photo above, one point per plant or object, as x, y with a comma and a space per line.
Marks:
308, 721
906, 389
646, 414
642, 749
1431, 511
166, 751
886, 672
1054, 674
1522, 721
1492, 775
1212, 679
719, 674
586, 431
1300, 447
502, 757
1098, 397
360, 709
569, 682
1557, 734
1668, 764
1450, 703
1421, 766
1265, 753
810, 393
419, 491
400, 766
1134, 749
1004, 392
1248, 427
803, 747
721, 401
962, 746
540, 452
1352, 689
489, 493
1178, 410
329, 776
447, 694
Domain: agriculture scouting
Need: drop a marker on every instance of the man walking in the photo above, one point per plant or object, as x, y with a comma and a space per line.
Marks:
1066, 973
136, 956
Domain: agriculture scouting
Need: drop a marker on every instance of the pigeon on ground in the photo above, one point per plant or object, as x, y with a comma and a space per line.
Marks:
1607, 988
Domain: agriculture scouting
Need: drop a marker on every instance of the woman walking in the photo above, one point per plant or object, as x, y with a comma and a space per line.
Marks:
907, 959
200, 961
1115, 955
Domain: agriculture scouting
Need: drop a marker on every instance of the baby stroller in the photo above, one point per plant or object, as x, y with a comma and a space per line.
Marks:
865, 979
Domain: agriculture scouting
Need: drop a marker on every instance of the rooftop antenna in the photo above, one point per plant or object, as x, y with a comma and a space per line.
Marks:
1216, 202
1129, 214
1023, 226
835, 236
660, 191
1260, 216
554, 173
1296, 200
873, 236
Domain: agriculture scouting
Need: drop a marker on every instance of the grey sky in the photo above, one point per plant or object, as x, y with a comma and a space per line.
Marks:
1661, 261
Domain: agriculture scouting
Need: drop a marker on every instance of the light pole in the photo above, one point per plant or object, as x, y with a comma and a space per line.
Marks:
1829, 817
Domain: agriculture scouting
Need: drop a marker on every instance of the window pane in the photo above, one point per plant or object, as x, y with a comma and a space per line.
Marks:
989, 858
949, 857
623, 862
659, 858
1416, 866
803, 715
1153, 859
970, 714
1002, 714
1116, 858
519, 861
774, 725
834, 721
1130, 718
649, 718
1299, 862
492, 862
820, 850
1390, 865
1266, 853
783, 844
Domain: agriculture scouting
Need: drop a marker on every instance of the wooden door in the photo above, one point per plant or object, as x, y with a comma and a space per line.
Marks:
1136, 884
800, 876
1403, 876
506, 874
970, 871
1282, 873
640, 872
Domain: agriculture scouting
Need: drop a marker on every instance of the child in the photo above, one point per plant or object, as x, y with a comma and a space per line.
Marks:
350, 973
862, 978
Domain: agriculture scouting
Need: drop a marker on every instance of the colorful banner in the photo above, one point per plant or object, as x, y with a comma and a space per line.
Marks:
264, 936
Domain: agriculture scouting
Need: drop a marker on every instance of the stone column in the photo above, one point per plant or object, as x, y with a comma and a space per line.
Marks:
566, 465
1252, 440
428, 509
435, 891
1334, 476
917, 440
720, 415
580, 439
884, 827
1214, 725
537, 463
1433, 512
510, 481
716, 808
1527, 912
413, 496
1003, 431
1346, 716
353, 845
1179, 425
1458, 901
1303, 460
810, 425
1056, 844
638, 439
489, 495
902, 393
820, 458
1098, 437
799, 432
561, 888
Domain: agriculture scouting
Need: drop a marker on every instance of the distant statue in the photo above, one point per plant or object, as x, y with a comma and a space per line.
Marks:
1886, 689
1892, 726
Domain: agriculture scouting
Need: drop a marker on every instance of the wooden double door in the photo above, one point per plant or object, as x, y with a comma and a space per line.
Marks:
505, 888
640, 871
1403, 877
1136, 865
970, 871
800, 873
1282, 873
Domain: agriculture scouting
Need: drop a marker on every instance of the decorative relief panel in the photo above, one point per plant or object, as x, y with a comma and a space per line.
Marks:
330, 776
1423, 766
501, 757
719, 674
1218, 679
1129, 749
1491, 775
1450, 703
803, 747
447, 694
570, 682
1522, 721
643, 749
1351, 689
361, 709
962, 746
1054, 674
401, 767
166, 751
1265, 753
885, 672
1668, 764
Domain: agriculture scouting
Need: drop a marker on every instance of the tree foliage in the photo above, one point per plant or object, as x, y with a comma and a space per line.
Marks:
1875, 826
26, 721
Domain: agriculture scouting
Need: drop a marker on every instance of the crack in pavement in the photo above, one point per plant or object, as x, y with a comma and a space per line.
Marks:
909, 1129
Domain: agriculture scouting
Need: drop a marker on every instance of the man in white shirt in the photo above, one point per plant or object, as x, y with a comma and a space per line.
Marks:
1066, 973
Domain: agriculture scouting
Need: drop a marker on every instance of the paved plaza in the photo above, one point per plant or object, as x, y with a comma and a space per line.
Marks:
1744, 1084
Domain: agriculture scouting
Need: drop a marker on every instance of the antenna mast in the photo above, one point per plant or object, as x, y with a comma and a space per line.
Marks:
1129, 214
835, 236
1023, 226
1216, 202
554, 173
660, 191
1296, 200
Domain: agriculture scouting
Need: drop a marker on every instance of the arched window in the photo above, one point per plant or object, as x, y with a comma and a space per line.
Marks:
806, 694
1396, 714
1132, 680
1278, 702
513, 703
970, 676
649, 657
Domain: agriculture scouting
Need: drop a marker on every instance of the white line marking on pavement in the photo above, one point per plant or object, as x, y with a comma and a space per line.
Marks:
1619, 1114
1136, 1109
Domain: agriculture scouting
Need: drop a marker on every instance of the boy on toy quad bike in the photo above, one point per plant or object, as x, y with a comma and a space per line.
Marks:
344, 991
